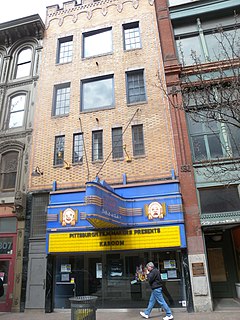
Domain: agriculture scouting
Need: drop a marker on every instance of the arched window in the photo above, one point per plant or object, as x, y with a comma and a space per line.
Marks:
16, 111
8, 170
23, 66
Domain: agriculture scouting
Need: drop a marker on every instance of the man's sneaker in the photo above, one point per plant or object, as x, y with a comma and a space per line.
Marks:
168, 317
144, 315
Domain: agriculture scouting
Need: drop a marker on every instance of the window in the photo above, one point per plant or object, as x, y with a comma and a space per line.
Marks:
97, 42
222, 45
137, 138
189, 54
65, 50
212, 139
135, 86
61, 99
17, 110
199, 44
8, 170
97, 93
24, 60
131, 36
59, 150
97, 145
77, 148
38, 215
222, 199
117, 143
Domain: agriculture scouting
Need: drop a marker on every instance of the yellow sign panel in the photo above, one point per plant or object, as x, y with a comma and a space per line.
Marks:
126, 239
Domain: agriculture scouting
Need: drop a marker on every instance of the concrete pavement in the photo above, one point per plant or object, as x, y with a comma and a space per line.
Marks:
119, 314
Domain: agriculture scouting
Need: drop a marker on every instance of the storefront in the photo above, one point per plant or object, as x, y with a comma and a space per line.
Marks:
99, 241
8, 226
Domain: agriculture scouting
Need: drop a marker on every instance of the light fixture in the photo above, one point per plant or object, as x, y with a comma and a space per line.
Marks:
37, 172
217, 237
67, 165
128, 158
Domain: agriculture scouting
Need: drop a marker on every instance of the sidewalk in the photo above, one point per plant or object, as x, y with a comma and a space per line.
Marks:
119, 314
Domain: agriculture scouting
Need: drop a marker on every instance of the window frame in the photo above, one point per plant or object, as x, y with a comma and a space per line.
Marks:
24, 63
137, 72
131, 26
95, 33
135, 143
23, 110
117, 143
222, 133
60, 44
3, 174
95, 80
78, 145
97, 156
59, 147
57, 88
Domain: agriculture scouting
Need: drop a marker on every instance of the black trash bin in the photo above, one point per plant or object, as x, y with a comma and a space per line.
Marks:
83, 308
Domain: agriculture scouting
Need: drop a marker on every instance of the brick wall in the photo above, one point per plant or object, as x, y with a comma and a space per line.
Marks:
154, 115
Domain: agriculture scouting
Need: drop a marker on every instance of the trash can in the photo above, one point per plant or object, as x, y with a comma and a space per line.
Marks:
83, 308
238, 289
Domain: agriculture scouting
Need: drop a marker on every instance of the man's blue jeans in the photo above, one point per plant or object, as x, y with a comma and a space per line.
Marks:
156, 296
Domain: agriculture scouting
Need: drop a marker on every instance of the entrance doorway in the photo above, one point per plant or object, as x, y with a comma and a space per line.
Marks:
117, 278
222, 264
6, 284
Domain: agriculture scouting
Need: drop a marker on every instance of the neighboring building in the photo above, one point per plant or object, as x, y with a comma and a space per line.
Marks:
204, 37
20, 48
102, 116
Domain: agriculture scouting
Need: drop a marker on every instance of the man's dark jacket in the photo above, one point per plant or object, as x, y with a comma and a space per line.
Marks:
154, 279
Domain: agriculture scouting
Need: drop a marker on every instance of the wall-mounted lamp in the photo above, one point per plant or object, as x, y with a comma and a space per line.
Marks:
67, 165
37, 172
128, 158
217, 237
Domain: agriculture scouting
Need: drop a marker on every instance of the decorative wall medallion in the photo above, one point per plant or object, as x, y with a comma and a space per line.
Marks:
68, 216
156, 210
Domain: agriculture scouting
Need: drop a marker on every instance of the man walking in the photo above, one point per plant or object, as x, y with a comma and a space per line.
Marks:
155, 281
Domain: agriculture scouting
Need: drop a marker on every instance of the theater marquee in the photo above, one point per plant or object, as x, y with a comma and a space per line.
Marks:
125, 239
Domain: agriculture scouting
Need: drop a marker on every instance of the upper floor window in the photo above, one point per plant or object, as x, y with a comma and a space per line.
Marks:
219, 199
77, 148
38, 215
8, 171
97, 93
213, 139
97, 42
138, 141
135, 86
59, 150
117, 143
97, 145
131, 36
16, 111
61, 102
199, 45
24, 61
65, 50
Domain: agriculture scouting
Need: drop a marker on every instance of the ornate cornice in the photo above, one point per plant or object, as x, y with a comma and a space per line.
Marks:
219, 218
74, 10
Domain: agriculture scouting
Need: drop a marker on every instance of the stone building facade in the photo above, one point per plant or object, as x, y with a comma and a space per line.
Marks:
20, 51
